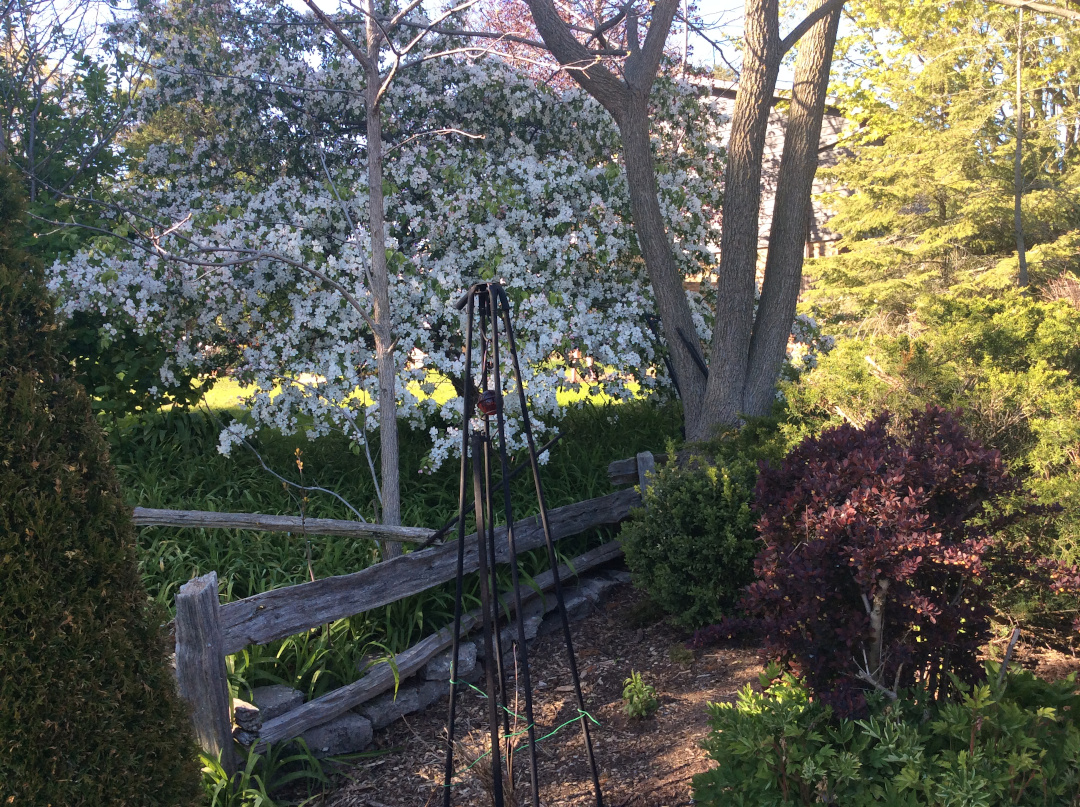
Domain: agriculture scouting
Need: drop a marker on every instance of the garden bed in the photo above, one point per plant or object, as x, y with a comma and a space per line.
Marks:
643, 763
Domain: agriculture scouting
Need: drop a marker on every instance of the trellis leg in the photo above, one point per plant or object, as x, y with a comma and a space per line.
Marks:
200, 667
646, 470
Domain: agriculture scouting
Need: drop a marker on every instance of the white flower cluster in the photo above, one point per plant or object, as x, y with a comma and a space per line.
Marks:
488, 176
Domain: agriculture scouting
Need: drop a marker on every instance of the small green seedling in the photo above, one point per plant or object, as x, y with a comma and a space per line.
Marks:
639, 698
680, 654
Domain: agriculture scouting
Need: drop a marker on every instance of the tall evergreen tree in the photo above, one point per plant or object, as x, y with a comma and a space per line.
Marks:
926, 199
89, 713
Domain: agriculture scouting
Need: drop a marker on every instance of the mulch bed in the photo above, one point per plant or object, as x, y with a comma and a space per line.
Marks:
643, 762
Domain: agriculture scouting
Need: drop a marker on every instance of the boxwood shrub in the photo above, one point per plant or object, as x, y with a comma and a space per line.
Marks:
693, 544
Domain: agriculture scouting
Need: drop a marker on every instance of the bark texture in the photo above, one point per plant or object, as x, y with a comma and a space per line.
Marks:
791, 217
728, 365
380, 292
627, 100
745, 355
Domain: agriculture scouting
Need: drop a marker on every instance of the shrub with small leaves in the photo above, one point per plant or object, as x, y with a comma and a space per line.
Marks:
875, 550
89, 710
692, 548
639, 699
995, 745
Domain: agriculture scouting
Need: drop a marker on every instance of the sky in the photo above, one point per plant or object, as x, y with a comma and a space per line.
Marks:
724, 19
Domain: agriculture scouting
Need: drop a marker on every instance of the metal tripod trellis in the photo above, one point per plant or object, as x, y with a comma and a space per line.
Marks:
486, 304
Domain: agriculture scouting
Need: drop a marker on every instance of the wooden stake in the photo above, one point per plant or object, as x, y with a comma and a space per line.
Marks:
200, 667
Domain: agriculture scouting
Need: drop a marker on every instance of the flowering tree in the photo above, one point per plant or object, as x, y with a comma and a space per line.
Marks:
244, 236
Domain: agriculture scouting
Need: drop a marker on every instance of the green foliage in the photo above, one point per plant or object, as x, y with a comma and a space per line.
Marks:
692, 547
924, 200
639, 699
261, 775
88, 704
1008, 362
170, 459
991, 745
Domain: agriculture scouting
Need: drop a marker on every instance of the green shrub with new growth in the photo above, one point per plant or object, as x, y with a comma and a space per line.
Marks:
693, 544
992, 745
89, 713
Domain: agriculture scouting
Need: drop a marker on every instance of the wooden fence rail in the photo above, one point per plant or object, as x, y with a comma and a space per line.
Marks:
206, 634
283, 612
149, 517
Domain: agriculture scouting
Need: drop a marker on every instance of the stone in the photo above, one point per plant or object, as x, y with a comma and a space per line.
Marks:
388, 707
578, 605
349, 733
596, 588
428, 692
246, 715
617, 575
274, 701
438, 669
245, 738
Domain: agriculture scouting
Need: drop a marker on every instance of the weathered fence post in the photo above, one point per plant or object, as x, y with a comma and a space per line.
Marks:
200, 667
646, 472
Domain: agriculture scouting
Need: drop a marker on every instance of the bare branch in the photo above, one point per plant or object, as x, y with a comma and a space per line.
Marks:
1042, 8
641, 68
589, 72
808, 22
409, 139
286, 481
368, 64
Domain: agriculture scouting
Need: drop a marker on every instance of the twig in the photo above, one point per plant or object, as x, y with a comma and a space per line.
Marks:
1008, 655
289, 482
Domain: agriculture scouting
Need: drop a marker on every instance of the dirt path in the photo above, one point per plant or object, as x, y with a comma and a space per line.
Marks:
643, 763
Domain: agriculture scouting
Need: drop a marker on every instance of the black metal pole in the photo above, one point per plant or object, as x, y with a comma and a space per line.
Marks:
466, 412
489, 515
485, 607
552, 557
508, 509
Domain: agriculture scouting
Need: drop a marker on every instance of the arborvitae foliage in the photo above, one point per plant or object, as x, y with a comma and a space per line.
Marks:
876, 543
89, 713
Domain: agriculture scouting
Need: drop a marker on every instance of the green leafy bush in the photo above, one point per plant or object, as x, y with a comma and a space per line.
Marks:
639, 699
692, 547
994, 745
89, 713
1010, 364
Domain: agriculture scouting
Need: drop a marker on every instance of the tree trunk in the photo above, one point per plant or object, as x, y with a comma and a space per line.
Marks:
656, 249
1018, 165
736, 273
380, 293
791, 216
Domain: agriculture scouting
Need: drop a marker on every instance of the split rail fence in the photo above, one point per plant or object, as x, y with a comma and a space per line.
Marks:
207, 631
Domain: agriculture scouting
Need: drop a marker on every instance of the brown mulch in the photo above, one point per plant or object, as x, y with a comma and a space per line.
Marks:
643, 762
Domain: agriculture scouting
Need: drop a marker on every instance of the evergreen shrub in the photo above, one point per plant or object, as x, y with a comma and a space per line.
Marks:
993, 745
89, 713
692, 546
